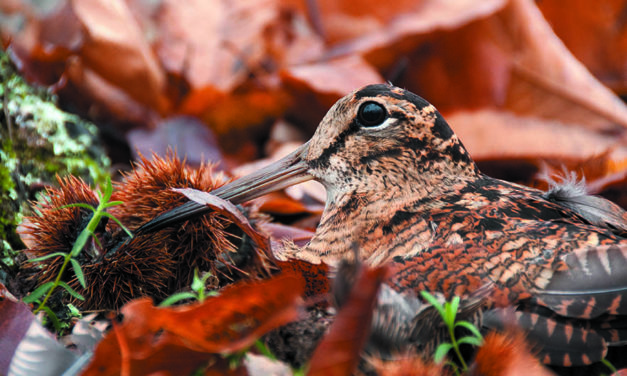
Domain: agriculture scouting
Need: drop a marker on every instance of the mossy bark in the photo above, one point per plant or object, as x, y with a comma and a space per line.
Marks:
37, 142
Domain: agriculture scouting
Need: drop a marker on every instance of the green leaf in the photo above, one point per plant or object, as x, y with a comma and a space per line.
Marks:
53, 318
433, 301
451, 311
174, 298
38, 293
472, 328
470, 341
108, 190
74, 312
56, 254
442, 351
79, 272
77, 205
109, 215
198, 284
113, 203
80, 242
264, 350
72, 292
609, 365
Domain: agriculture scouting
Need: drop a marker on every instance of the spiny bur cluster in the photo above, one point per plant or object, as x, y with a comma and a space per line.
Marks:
118, 268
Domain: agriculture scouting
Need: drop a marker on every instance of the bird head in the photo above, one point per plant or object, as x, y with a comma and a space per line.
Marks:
376, 138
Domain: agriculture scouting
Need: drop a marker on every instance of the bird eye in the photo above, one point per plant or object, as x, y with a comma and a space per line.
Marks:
371, 114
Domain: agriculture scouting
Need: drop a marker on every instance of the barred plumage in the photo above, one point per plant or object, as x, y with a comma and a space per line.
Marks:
402, 188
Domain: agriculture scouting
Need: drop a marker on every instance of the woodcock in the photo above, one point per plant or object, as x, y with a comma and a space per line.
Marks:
404, 190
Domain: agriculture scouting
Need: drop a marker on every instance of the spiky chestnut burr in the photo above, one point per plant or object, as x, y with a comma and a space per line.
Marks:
206, 242
114, 273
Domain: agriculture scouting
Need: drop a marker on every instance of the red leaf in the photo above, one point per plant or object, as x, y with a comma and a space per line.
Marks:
152, 339
15, 319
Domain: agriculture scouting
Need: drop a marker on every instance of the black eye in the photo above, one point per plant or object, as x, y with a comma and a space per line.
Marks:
371, 114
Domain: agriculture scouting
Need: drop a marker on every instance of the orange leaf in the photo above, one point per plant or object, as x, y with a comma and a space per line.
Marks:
591, 33
507, 354
338, 353
181, 339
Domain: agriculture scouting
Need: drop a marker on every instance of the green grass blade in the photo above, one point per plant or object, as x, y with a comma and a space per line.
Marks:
109, 215
46, 257
472, 328
441, 352
609, 365
112, 203
433, 301
79, 272
38, 293
80, 242
175, 298
53, 318
77, 205
264, 350
474, 341
450, 310
108, 191
72, 292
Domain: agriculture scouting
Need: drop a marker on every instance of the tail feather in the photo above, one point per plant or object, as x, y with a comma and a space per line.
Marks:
594, 283
557, 343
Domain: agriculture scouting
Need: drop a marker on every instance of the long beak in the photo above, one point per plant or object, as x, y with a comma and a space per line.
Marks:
289, 170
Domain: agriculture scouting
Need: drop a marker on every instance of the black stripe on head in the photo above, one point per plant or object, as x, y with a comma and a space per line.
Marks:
374, 91
417, 101
441, 129
339, 143
384, 90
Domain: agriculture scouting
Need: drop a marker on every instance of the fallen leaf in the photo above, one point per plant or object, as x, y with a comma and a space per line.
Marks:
228, 210
26, 347
116, 49
499, 54
491, 134
595, 35
339, 351
181, 339
279, 232
186, 134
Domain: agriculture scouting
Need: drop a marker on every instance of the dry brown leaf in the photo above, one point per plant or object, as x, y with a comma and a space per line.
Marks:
102, 96
115, 48
502, 56
229, 211
338, 353
181, 339
373, 24
15, 320
219, 44
492, 134
596, 35
409, 365
333, 77
279, 232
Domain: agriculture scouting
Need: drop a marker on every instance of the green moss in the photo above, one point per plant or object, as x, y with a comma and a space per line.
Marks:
39, 141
